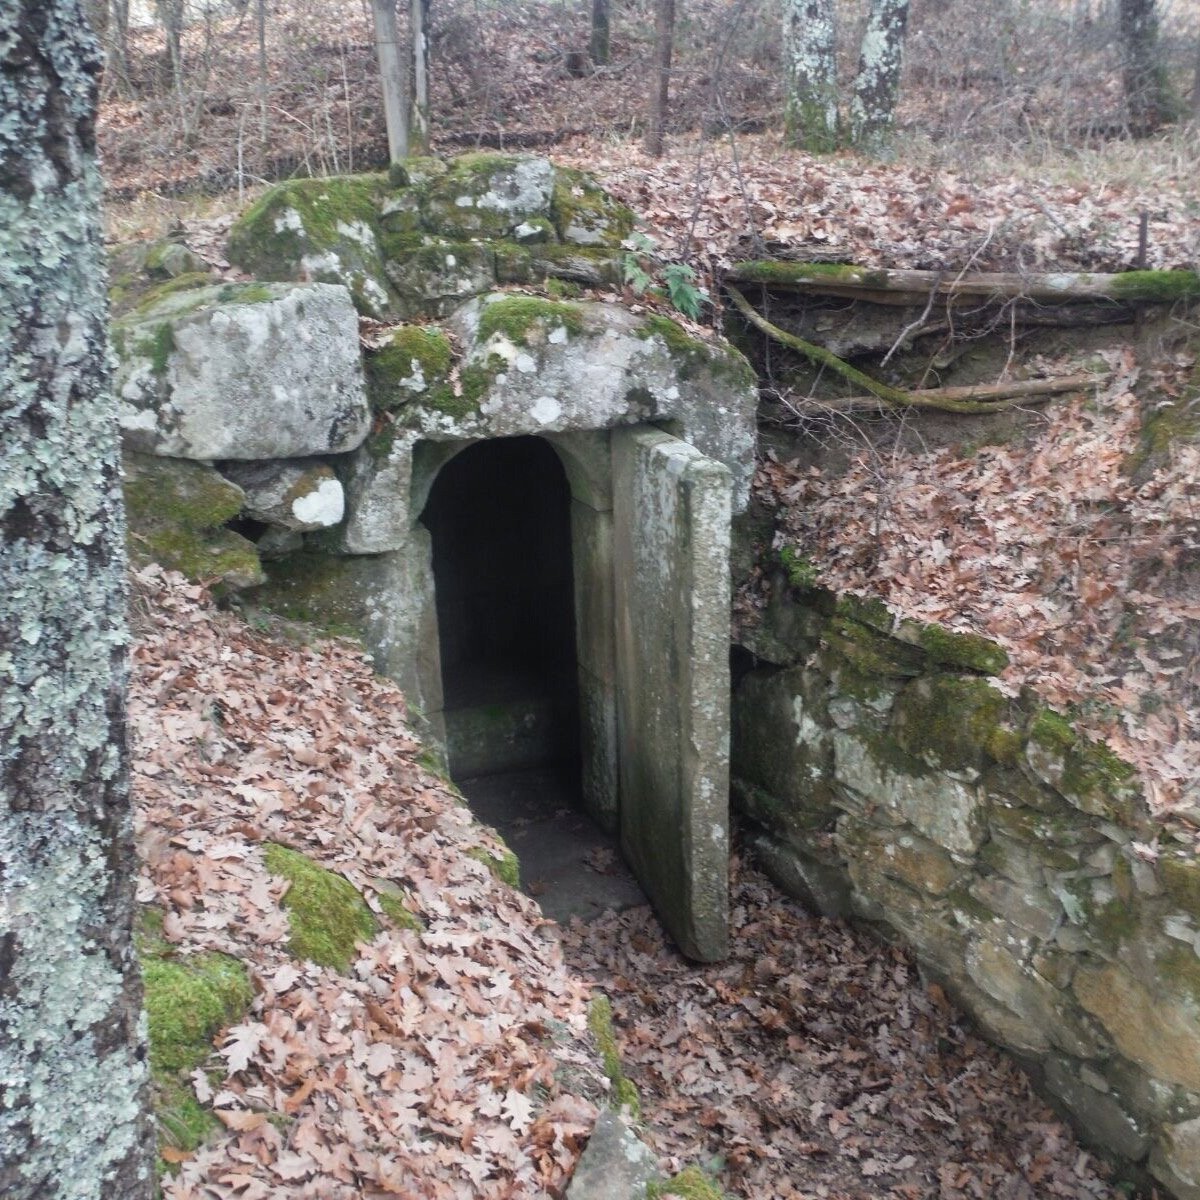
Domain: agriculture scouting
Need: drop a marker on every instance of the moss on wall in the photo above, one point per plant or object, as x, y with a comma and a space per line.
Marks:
413, 361
176, 513
584, 213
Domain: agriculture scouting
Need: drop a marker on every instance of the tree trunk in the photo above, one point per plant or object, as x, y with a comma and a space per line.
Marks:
260, 21
660, 88
810, 75
598, 47
116, 47
418, 121
393, 77
1148, 94
873, 105
170, 12
72, 1061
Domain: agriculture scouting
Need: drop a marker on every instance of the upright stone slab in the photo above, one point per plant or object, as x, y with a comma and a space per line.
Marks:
671, 554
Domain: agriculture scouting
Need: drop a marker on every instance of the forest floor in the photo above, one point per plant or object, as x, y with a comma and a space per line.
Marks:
452, 1059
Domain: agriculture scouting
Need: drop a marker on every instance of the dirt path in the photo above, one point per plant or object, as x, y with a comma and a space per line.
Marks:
815, 1063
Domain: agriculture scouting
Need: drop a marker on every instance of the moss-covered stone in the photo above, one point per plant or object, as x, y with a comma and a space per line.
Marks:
182, 283
325, 230
624, 1092
1180, 875
506, 866
339, 595
947, 720
169, 259
176, 510
434, 278
866, 610
960, 651
416, 170
869, 652
543, 264
413, 360
693, 355
487, 195
585, 214
1085, 772
527, 320
326, 914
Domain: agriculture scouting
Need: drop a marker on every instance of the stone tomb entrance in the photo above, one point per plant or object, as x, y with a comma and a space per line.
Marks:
499, 520
534, 539
578, 597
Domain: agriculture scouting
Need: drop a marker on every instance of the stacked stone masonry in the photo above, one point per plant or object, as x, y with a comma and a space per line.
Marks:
888, 780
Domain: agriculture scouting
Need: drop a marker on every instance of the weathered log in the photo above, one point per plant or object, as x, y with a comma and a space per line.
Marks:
992, 397
974, 401
879, 284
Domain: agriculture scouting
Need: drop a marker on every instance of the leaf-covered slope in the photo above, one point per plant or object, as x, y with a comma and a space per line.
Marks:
431, 1066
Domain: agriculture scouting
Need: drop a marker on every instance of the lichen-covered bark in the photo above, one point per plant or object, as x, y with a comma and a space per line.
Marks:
873, 105
418, 119
810, 75
72, 1063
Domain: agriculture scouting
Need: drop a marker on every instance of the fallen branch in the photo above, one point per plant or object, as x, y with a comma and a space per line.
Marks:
879, 284
993, 397
977, 400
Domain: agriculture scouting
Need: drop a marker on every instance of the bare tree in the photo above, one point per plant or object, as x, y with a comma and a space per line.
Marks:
1148, 93
873, 104
599, 44
393, 76
810, 75
418, 119
73, 1123
660, 87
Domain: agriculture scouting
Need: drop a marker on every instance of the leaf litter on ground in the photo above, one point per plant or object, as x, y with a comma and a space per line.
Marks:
453, 1060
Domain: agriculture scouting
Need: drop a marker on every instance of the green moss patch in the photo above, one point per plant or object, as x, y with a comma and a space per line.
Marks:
1160, 287
690, 1184
869, 652
176, 512
326, 914
325, 230
189, 999
624, 1092
948, 719
412, 361
1085, 772
524, 319
506, 867
964, 650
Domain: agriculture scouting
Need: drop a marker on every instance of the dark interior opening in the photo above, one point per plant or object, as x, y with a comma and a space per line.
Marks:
499, 517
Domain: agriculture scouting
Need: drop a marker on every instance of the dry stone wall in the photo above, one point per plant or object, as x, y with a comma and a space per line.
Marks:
885, 778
